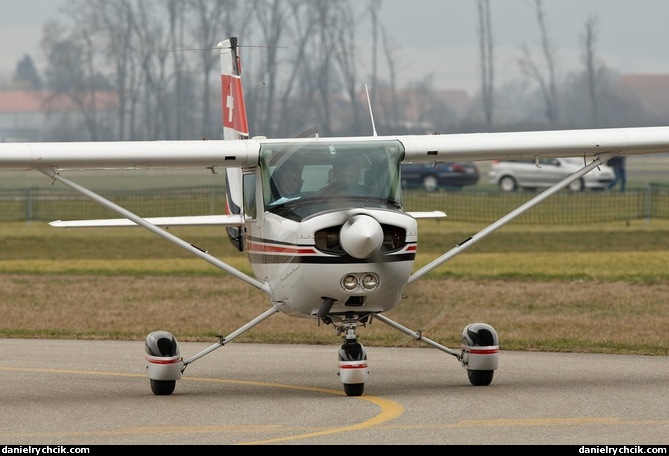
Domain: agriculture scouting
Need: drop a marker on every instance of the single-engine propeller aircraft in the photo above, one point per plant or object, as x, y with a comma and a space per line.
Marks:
320, 219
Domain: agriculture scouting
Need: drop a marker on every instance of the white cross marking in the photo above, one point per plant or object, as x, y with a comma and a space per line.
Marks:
230, 104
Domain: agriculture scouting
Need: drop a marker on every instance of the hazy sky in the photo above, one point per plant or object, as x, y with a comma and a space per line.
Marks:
439, 37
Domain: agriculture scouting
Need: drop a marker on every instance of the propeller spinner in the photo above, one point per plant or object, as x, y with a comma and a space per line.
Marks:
361, 236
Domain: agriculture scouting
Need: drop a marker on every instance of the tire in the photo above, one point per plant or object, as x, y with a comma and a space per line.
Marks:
430, 184
354, 389
507, 184
163, 387
576, 186
480, 378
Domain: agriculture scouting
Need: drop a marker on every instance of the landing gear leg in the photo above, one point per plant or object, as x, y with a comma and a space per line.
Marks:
352, 362
480, 349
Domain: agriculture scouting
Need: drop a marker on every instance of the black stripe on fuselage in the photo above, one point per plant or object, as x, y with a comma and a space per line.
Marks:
343, 259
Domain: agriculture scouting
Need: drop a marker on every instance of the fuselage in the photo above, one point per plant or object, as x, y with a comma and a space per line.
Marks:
349, 244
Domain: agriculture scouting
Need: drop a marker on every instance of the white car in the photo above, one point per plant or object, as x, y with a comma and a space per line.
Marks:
511, 175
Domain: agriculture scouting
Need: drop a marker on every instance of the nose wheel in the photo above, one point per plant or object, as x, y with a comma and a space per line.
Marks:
353, 370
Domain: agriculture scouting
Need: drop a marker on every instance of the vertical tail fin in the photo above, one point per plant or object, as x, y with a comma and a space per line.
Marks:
235, 126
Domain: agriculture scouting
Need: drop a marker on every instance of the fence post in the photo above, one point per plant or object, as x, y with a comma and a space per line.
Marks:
648, 202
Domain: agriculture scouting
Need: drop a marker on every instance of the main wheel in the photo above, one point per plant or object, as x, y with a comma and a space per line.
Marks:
480, 378
163, 387
354, 389
507, 184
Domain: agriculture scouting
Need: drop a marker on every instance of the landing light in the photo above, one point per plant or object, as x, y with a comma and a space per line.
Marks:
349, 282
370, 281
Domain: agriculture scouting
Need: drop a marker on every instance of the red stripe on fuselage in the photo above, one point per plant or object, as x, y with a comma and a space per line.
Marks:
260, 247
277, 248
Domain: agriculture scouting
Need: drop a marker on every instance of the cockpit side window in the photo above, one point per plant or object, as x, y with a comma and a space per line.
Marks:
250, 206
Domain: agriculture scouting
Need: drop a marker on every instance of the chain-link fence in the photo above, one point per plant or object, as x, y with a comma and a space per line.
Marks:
650, 202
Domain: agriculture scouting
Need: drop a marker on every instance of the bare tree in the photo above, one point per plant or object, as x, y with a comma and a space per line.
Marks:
181, 102
394, 115
291, 122
589, 59
373, 10
139, 45
326, 80
26, 74
212, 19
547, 84
345, 57
486, 45
124, 37
114, 22
271, 17
72, 73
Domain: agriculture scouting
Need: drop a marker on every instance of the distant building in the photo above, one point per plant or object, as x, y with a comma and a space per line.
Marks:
36, 116
650, 90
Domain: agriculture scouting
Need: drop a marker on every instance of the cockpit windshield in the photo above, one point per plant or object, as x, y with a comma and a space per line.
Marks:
311, 176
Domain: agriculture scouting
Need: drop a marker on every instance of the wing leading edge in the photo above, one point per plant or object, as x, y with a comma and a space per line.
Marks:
165, 222
418, 148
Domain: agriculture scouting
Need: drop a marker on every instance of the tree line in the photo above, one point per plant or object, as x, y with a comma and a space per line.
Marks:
300, 70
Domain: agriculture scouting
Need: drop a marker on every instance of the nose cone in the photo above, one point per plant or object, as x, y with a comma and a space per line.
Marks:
361, 236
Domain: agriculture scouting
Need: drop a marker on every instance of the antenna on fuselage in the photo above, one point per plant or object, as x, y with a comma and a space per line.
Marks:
371, 115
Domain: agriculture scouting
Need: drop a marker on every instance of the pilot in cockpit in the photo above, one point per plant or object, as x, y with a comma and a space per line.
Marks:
287, 182
345, 178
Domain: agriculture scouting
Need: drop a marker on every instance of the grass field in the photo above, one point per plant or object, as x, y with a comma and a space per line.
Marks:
596, 288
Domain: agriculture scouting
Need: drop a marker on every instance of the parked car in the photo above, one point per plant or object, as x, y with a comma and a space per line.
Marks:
446, 175
510, 175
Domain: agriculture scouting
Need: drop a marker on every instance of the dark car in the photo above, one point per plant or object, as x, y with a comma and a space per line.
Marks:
446, 175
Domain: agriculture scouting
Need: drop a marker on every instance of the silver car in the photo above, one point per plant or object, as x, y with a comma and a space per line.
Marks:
511, 175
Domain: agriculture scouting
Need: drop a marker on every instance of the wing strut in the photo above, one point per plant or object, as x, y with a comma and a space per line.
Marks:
154, 229
233, 335
417, 335
507, 218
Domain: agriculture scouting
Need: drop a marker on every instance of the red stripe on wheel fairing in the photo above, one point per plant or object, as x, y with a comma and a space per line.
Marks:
481, 351
157, 360
353, 366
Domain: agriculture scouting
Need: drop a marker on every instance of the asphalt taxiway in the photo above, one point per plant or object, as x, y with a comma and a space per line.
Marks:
97, 392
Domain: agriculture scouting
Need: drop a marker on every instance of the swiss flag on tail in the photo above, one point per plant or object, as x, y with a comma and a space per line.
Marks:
234, 111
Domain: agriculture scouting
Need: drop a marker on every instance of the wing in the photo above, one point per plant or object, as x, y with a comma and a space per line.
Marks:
536, 144
199, 220
128, 155
243, 153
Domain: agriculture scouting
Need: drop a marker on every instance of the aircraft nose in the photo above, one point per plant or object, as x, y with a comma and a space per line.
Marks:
361, 236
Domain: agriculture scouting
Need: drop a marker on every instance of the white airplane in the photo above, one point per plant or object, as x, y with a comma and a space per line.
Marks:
337, 247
